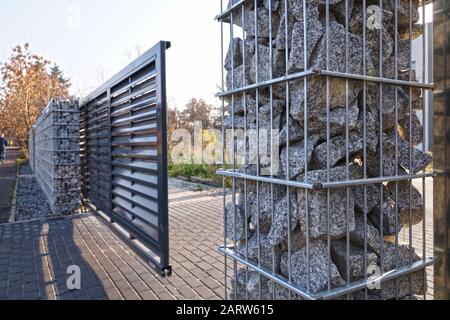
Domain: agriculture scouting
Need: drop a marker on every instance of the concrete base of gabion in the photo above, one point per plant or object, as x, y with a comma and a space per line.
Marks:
343, 134
56, 155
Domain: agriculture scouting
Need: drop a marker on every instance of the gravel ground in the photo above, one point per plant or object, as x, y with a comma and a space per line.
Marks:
189, 186
31, 203
25, 170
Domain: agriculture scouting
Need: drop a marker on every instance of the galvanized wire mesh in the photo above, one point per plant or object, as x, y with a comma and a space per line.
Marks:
326, 93
55, 154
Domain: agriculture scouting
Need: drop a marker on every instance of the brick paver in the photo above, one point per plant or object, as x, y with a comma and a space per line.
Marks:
34, 256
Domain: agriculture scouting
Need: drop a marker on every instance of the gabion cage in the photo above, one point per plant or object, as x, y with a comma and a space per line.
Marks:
327, 156
55, 155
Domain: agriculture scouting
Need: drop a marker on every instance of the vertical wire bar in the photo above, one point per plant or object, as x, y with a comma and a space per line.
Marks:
257, 139
381, 51
305, 119
244, 47
223, 152
410, 150
347, 154
235, 244
327, 49
396, 143
286, 36
365, 145
425, 127
271, 130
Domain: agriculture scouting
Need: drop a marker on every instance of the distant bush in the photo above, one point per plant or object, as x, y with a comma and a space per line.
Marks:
203, 171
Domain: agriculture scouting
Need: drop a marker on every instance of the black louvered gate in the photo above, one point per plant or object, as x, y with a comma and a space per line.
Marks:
124, 153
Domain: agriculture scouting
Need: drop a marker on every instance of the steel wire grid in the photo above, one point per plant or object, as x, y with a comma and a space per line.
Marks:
253, 278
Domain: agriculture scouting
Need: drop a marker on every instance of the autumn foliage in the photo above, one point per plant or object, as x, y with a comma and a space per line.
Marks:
28, 81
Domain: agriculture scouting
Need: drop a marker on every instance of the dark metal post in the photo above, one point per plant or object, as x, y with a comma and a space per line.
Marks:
441, 149
163, 158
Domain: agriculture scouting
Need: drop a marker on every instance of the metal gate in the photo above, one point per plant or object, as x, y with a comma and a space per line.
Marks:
124, 152
343, 216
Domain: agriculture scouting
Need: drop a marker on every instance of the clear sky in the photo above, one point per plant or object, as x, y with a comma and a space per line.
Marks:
94, 39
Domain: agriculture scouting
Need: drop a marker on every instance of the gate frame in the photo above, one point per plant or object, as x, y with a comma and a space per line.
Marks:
128, 233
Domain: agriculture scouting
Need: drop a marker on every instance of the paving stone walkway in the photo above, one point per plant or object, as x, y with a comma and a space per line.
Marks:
34, 256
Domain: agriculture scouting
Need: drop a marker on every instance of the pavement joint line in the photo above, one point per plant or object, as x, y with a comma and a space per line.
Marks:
127, 252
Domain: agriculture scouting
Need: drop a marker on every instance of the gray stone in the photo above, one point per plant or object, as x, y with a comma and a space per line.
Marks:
280, 224
260, 250
252, 118
373, 39
243, 105
369, 127
295, 132
318, 268
420, 160
257, 287
261, 205
317, 87
411, 124
317, 97
234, 55
280, 41
357, 260
388, 105
245, 285
366, 233
341, 214
239, 122
405, 192
314, 31
404, 256
262, 71
391, 220
338, 119
262, 29
404, 16
367, 197
355, 147
404, 51
238, 285
298, 156
272, 5
337, 56
389, 161
280, 293
236, 224
339, 9
297, 241
235, 79
338, 150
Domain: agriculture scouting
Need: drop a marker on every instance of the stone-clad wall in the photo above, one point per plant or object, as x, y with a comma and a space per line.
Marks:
369, 214
57, 155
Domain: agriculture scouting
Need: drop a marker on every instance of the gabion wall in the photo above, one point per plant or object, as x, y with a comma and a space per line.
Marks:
57, 155
345, 110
